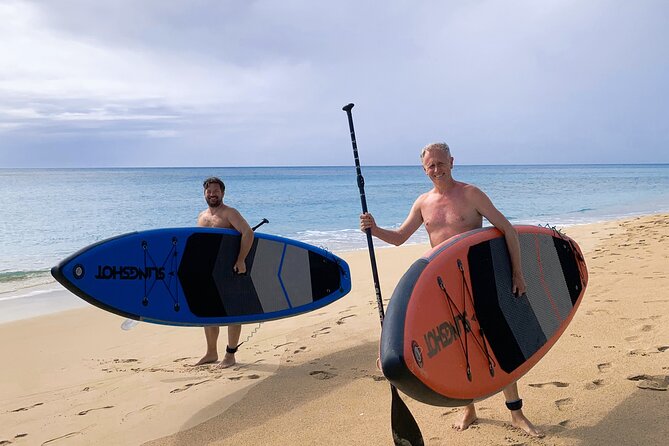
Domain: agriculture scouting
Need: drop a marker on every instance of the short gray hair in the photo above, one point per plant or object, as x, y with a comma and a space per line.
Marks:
435, 146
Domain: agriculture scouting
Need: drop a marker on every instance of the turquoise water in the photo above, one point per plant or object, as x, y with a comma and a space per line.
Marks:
47, 214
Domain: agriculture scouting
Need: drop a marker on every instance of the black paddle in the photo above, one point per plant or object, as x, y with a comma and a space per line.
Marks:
404, 427
264, 220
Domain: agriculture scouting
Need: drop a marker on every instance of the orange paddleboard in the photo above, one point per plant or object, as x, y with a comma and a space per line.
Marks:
455, 333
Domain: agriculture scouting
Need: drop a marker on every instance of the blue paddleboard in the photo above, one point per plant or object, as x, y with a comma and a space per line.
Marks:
184, 276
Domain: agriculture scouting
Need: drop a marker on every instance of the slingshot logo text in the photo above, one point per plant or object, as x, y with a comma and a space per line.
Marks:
444, 334
120, 272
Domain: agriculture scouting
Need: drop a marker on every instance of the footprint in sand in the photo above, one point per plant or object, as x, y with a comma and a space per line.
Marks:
341, 319
377, 378
68, 435
592, 312
595, 384
84, 412
125, 361
182, 359
22, 409
301, 349
563, 403
143, 409
510, 441
237, 378
552, 383
664, 348
631, 338
188, 386
322, 331
651, 382
603, 367
646, 328
321, 374
565, 423
640, 352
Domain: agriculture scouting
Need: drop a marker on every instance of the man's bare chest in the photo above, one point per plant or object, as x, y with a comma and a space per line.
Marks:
214, 221
454, 214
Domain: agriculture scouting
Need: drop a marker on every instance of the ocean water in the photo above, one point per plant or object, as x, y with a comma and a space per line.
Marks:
47, 214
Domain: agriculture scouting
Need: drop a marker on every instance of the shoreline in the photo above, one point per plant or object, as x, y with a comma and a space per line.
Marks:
312, 379
42, 300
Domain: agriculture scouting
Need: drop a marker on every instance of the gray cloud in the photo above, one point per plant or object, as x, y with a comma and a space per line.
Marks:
263, 82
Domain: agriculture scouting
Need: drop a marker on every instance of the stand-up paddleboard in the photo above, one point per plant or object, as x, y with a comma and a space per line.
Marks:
454, 332
184, 276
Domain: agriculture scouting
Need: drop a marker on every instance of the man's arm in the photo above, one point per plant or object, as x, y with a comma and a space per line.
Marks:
239, 223
485, 207
398, 236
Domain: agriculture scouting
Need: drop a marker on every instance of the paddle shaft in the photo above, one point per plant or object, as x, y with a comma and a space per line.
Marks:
363, 202
404, 428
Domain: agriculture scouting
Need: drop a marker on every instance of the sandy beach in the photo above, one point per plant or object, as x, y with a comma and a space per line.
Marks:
75, 378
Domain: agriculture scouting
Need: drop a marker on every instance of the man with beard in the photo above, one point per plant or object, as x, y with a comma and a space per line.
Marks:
219, 215
451, 208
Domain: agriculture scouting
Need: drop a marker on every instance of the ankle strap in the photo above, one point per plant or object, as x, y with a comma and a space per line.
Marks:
232, 350
514, 405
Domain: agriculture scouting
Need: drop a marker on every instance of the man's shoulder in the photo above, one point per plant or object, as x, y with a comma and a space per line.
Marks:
468, 188
425, 195
227, 210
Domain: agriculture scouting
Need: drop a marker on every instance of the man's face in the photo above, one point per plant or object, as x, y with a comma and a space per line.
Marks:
213, 195
437, 164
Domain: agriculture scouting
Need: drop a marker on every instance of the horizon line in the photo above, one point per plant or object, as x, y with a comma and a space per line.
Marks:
329, 166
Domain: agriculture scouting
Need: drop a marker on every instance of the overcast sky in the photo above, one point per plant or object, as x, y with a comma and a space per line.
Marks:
257, 83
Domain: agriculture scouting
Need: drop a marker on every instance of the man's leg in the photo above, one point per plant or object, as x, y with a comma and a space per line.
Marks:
211, 334
234, 331
518, 419
468, 417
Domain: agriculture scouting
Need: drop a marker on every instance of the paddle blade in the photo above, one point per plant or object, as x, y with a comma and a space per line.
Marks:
405, 429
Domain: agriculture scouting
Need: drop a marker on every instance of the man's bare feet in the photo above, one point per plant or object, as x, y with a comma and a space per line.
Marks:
520, 421
468, 418
207, 359
228, 361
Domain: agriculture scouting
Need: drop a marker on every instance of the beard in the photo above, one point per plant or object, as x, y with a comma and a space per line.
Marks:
213, 202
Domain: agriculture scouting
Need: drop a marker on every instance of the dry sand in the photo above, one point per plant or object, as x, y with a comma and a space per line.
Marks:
75, 377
